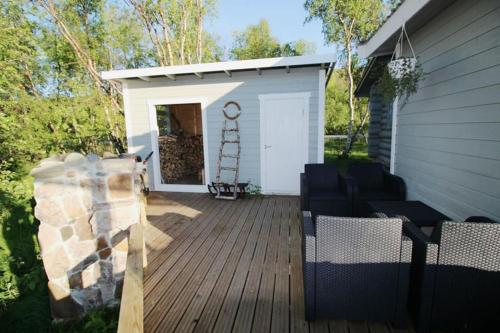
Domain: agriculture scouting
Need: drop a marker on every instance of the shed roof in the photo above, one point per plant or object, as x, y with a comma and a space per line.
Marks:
325, 60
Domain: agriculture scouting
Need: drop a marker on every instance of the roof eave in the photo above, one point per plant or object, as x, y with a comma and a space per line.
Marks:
391, 28
220, 67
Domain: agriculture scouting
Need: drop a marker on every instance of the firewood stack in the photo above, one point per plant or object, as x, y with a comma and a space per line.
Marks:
180, 157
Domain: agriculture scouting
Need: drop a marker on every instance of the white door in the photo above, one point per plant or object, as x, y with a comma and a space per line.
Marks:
284, 120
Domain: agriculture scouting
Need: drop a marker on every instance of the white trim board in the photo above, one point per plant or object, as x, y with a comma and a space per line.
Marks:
153, 125
226, 66
406, 10
321, 116
128, 118
394, 131
265, 97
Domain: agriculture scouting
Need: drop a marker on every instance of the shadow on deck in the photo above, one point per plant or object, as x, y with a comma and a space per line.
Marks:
219, 266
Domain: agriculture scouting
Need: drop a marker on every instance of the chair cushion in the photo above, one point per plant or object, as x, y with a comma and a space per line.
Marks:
479, 219
377, 195
326, 195
321, 176
369, 176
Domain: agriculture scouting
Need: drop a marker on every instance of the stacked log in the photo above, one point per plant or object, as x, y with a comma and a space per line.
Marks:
180, 157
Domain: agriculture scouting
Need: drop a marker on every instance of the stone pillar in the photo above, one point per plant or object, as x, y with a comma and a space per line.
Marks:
85, 207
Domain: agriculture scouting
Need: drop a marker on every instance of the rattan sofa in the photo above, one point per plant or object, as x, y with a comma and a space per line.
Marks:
355, 268
324, 191
455, 277
370, 181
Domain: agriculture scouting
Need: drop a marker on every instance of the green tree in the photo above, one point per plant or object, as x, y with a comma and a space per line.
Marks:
175, 30
256, 42
18, 52
53, 101
337, 106
346, 23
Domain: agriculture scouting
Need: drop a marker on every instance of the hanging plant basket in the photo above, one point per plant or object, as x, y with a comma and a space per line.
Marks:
401, 67
402, 75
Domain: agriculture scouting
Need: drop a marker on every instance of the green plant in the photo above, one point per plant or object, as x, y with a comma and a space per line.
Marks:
254, 190
392, 85
101, 320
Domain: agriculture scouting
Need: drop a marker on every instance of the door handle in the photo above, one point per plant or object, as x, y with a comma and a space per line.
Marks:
266, 146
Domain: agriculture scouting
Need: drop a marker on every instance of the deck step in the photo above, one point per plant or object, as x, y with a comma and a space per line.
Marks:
230, 130
230, 156
231, 141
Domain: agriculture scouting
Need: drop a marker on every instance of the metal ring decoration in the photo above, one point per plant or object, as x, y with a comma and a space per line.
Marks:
228, 116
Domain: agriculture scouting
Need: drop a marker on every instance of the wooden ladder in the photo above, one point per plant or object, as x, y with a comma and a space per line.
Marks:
229, 160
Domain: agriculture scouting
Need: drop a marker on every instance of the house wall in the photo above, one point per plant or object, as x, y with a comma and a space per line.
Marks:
216, 90
380, 128
448, 134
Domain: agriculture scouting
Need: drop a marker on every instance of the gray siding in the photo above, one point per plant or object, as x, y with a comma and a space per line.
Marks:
448, 134
380, 128
217, 89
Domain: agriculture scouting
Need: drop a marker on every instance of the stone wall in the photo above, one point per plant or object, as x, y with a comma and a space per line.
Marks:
85, 206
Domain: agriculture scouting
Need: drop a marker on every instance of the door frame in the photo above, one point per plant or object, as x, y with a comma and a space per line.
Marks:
305, 96
153, 125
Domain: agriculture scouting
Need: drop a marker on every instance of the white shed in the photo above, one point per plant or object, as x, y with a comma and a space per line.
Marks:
176, 112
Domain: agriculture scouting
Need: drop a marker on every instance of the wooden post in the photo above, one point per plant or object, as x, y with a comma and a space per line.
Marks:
144, 223
132, 303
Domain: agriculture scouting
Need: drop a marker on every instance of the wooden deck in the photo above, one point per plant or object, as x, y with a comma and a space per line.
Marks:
221, 266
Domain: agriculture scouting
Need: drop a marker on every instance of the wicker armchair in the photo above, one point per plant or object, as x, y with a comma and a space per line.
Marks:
372, 183
455, 277
355, 268
324, 191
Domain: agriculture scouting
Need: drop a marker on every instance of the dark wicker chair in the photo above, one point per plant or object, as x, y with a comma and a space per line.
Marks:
371, 182
324, 191
455, 277
355, 268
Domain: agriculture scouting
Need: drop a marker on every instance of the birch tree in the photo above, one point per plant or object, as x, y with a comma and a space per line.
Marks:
346, 23
175, 29
78, 37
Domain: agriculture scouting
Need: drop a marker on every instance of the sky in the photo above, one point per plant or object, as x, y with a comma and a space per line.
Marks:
285, 17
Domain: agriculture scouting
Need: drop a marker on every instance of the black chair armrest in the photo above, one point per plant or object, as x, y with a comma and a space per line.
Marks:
350, 186
342, 183
395, 184
304, 192
423, 274
309, 264
404, 280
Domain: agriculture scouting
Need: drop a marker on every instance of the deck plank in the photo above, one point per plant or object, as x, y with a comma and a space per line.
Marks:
223, 266
181, 236
264, 306
162, 230
209, 268
319, 326
183, 268
231, 284
242, 304
190, 238
338, 326
298, 324
215, 287
358, 327
280, 320
379, 328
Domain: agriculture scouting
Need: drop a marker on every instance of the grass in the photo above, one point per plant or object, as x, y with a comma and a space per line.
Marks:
24, 300
333, 149
24, 303
101, 320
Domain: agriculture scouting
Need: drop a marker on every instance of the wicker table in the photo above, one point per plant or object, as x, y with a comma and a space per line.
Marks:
414, 211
